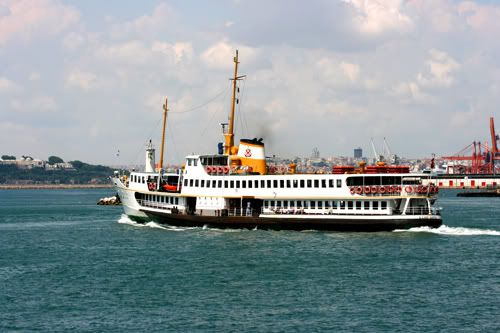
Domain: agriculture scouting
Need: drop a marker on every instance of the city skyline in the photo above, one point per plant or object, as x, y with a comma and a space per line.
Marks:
87, 80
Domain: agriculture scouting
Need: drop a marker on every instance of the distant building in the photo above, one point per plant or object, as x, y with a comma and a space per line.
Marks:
358, 152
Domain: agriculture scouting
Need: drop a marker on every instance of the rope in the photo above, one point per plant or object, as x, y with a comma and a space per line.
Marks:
204, 104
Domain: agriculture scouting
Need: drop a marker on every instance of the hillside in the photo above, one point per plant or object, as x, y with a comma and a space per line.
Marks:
81, 173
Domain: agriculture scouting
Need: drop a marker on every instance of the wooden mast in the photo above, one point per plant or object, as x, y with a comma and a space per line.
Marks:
229, 136
165, 109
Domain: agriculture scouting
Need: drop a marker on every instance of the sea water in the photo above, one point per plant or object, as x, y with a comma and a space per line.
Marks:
67, 264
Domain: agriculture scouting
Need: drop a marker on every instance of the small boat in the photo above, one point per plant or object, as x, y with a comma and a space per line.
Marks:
236, 188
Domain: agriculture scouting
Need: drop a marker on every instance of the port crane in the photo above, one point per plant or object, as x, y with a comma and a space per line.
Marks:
477, 157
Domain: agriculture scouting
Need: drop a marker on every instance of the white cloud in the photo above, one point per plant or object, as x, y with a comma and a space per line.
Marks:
8, 86
145, 24
411, 93
26, 19
377, 17
218, 56
81, 79
176, 53
130, 52
440, 69
485, 18
73, 40
350, 70
36, 104
34, 76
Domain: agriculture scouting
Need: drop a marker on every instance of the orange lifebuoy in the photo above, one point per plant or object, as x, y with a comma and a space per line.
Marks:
374, 189
208, 169
225, 169
220, 169
381, 190
389, 189
408, 189
359, 190
352, 189
367, 189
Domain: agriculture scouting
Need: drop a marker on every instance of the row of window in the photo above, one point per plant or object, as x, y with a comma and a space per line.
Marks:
263, 183
325, 204
137, 179
158, 198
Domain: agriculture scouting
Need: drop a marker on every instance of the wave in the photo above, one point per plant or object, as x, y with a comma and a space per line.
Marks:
124, 219
454, 231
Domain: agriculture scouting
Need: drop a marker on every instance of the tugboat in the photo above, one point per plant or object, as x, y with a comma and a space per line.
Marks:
235, 188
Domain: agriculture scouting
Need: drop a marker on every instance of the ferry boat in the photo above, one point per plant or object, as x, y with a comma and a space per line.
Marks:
236, 188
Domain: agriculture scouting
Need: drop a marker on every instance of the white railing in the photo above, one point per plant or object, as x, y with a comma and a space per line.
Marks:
154, 204
344, 211
422, 211
240, 212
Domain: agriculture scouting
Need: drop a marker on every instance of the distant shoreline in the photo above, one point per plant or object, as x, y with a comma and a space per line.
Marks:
51, 186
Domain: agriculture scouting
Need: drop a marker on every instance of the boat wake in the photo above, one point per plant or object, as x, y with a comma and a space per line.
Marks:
124, 219
453, 231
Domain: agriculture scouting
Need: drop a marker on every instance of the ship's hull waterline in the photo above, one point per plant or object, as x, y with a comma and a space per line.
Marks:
297, 223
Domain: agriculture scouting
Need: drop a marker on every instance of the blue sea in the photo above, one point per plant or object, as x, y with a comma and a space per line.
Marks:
67, 264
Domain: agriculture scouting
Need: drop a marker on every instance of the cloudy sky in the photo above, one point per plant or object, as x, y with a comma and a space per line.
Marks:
84, 79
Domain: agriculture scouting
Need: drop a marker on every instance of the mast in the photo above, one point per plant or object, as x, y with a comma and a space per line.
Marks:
165, 109
229, 136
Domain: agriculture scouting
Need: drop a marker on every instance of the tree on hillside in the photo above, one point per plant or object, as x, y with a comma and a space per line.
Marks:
55, 159
77, 164
8, 157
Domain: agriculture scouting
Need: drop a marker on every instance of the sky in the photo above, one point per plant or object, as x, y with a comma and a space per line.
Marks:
86, 80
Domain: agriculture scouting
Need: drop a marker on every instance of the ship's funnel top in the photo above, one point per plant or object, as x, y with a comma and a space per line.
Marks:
252, 154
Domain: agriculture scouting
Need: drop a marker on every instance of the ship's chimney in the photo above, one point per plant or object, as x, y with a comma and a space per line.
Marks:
252, 154
150, 158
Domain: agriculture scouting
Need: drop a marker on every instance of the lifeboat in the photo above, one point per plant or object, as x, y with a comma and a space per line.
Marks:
170, 188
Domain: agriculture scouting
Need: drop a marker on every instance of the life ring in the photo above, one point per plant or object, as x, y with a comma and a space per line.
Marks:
225, 169
220, 169
359, 190
151, 186
208, 169
420, 189
352, 189
368, 189
381, 190
374, 189
408, 189
389, 189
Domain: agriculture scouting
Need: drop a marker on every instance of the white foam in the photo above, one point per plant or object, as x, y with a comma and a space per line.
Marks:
454, 231
155, 225
124, 219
